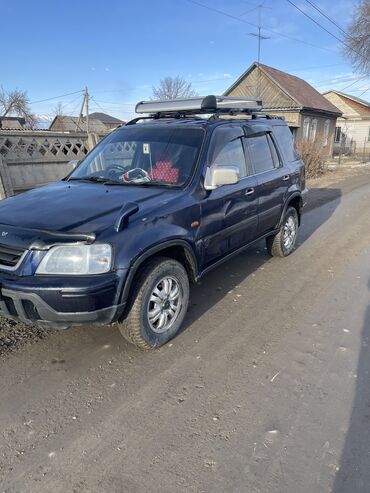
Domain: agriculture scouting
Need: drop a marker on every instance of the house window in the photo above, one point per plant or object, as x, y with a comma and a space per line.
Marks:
313, 129
338, 133
306, 127
325, 137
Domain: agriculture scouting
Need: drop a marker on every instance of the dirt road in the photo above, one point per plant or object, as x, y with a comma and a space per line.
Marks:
267, 390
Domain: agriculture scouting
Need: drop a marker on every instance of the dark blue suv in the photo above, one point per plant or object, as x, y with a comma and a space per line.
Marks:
156, 204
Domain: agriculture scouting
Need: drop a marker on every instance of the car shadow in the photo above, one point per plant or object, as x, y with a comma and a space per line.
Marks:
354, 469
223, 279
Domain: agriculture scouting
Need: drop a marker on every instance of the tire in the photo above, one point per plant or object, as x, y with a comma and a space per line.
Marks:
158, 281
278, 245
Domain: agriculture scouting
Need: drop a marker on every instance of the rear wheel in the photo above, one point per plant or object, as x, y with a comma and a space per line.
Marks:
283, 243
159, 304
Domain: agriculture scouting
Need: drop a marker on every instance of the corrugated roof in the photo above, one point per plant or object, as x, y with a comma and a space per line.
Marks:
104, 118
298, 89
69, 124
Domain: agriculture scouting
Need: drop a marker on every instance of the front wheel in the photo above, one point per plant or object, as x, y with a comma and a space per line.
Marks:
283, 243
159, 304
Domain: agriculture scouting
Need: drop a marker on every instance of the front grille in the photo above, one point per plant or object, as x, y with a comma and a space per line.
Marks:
9, 256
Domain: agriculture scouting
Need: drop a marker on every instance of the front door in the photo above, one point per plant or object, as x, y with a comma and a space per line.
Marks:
229, 214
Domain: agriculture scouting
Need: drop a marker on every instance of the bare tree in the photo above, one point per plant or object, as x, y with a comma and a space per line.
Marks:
16, 103
173, 88
58, 109
357, 41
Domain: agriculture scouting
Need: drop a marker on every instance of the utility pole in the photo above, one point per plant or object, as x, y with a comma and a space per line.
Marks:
87, 97
260, 38
85, 102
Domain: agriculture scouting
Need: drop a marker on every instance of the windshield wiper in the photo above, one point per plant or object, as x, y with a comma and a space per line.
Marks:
143, 183
96, 179
157, 183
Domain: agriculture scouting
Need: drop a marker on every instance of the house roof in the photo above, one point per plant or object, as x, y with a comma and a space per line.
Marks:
104, 118
12, 122
69, 124
297, 89
349, 96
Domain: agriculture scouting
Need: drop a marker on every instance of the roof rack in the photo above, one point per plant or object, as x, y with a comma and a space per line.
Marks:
199, 105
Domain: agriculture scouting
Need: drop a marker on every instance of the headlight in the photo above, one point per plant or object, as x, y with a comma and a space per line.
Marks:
77, 260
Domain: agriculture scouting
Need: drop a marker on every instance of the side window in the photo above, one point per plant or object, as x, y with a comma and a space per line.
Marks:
275, 155
285, 139
227, 149
260, 153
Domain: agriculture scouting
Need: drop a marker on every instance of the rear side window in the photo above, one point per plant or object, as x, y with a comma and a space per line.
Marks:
285, 139
260, 154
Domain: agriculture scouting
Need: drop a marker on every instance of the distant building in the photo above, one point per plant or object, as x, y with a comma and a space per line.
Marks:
352, 134
99, 123
309, 115
109, 121
62, 123
12, 123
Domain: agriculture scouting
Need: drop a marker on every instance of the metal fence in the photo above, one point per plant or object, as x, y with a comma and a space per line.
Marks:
29, 159
351, 149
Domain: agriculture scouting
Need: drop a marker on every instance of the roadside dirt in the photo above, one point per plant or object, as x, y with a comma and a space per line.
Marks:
14, 334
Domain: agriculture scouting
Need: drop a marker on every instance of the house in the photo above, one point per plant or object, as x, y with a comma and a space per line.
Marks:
12, 123
308, 114
109, 121
352, 134
63, 123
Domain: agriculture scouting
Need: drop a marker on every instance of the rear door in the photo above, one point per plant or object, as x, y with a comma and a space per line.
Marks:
230, 212
273, 179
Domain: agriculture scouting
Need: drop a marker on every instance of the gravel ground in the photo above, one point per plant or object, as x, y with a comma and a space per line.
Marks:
266, 391
13, 334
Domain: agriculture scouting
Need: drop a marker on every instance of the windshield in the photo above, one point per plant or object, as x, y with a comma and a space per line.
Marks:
143, 155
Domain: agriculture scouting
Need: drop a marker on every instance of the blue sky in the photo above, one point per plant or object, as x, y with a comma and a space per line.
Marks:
121, 48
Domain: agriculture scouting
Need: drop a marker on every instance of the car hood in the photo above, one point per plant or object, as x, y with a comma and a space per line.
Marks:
78, 207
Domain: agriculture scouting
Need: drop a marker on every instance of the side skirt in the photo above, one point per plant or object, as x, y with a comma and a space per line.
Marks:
234, 253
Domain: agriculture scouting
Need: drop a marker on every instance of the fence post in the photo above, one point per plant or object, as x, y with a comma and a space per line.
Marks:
6, 189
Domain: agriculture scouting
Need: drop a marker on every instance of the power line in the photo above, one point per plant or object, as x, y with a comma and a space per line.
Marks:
221, 12
364, 92
114, 102
353, 83
316, 7
248, 11
324, 28
55, 97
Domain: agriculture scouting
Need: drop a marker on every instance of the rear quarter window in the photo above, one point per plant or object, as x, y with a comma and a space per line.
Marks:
286, 143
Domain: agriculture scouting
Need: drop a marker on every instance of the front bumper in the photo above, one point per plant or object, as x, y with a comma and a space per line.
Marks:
59, 304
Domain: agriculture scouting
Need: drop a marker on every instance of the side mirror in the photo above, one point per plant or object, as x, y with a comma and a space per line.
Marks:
221, 175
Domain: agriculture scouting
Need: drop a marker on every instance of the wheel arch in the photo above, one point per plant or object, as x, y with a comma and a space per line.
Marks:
296, 201
178, 249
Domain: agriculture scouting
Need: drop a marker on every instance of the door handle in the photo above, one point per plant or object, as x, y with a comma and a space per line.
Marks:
249, 191
286, 177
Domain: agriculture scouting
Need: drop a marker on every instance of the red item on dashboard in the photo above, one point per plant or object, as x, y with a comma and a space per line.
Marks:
163, 171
